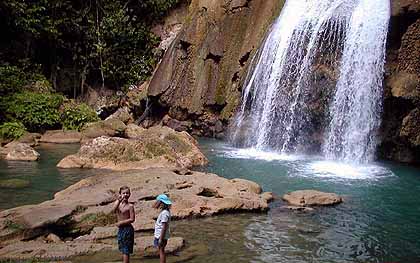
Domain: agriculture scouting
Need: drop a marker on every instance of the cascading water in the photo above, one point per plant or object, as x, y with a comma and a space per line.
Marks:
356, 109
283, 93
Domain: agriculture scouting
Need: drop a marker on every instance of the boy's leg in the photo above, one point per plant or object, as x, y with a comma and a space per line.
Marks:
126, 258
162, 255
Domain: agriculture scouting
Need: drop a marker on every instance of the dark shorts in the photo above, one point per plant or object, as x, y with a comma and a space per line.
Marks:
126, 239
156, 242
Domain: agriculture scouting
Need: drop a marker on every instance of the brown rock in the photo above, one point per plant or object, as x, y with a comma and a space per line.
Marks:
30, 138
53, 238
21, 152
53, 250
201, 195
133, 131
411, 127
176, 124
409, 53
3, 152
402, 7
299, 208
144, 246
61, 136
200, 71
122, 114
154, 147
71, 161
405, 85
111, 127
311, 198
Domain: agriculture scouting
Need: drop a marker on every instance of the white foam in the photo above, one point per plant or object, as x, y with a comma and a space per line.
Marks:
346, 170
252, 153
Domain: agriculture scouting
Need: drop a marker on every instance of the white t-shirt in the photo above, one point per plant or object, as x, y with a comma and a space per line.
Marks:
164, 217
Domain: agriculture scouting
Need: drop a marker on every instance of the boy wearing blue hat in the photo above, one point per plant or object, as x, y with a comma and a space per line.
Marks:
162, 231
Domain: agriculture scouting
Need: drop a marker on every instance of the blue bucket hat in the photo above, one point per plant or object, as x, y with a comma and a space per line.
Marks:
164, 199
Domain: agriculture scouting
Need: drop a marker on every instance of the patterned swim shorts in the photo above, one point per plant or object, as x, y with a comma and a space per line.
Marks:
126, 239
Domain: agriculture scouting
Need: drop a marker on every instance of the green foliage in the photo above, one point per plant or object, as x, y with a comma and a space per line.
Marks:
11, 79
36, 111
75, 116
13, 225
100, 219
88, 42
18, 78
12, 130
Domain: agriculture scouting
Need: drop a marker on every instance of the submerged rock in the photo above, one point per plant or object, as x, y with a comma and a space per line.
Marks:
14, 183
154, 147
311, 198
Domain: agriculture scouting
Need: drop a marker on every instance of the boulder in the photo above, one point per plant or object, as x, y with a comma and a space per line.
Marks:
411, 127
176, 124
3, 152
122, 114
52, 238
30, 138
61, 136
154, 147
110, 127
21, 152
133, 131
194, 194
311, 198
14, 183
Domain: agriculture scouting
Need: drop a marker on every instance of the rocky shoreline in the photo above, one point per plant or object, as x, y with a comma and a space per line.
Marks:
79, 220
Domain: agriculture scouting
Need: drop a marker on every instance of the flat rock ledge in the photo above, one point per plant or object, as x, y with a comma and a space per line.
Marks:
81, 216
61, 136
154, 147
43, 249
304, 198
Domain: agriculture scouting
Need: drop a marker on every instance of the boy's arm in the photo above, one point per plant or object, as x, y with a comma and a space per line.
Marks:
115, 206
129, 220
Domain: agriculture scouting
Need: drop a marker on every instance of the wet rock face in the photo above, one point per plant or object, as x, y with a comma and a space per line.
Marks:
202, 71
402, 85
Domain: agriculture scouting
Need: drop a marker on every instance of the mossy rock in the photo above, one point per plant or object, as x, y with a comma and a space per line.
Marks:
14, 183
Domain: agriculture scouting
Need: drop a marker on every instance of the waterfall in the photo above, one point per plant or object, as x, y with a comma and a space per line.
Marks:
282, 98
356, 109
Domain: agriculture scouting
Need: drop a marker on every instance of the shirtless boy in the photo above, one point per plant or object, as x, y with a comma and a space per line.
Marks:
125, 216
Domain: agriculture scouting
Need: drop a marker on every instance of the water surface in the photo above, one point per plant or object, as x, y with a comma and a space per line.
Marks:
44, 177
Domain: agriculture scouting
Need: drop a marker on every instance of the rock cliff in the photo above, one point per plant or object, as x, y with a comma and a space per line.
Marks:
198, 84
400, 133
200, 75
